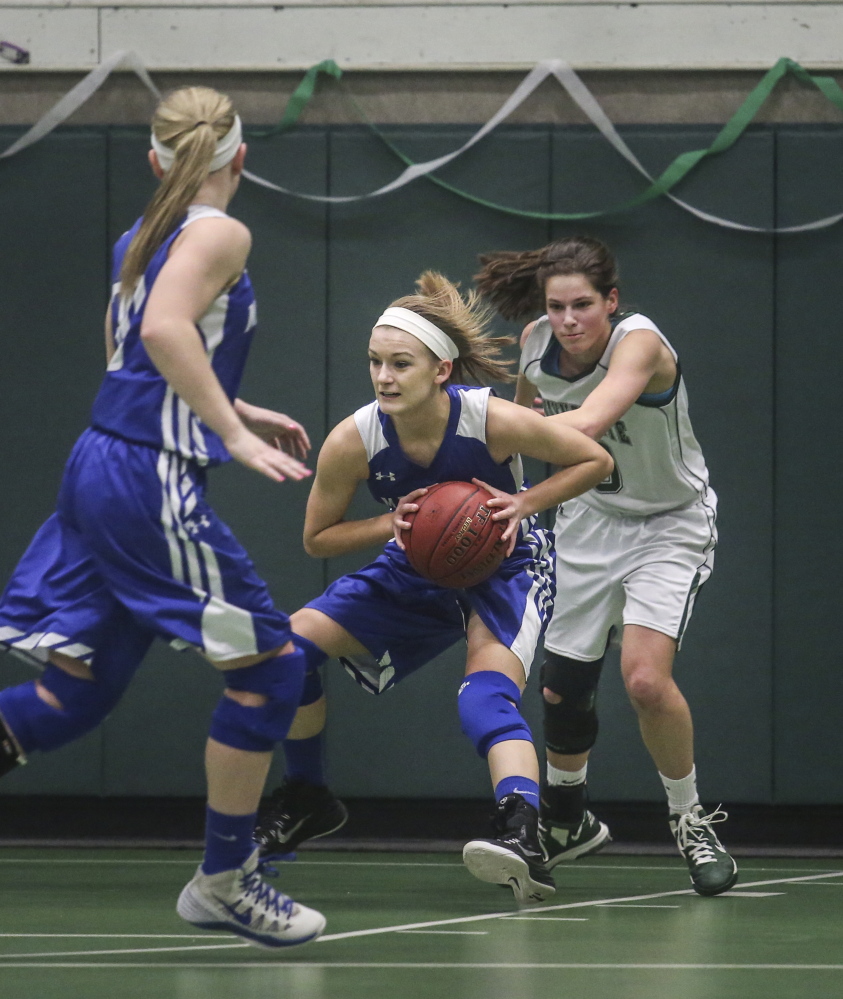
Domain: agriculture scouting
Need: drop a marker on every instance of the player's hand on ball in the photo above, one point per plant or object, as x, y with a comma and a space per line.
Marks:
407, 504
507, 507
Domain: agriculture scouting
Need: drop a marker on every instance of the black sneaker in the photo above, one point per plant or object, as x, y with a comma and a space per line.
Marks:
712, 869
11, 755
563, 842
297, 811
514, 856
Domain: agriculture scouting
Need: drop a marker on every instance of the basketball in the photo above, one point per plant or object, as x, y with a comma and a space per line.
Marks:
453, 540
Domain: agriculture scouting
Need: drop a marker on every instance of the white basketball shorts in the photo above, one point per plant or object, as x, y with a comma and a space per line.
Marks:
617, 570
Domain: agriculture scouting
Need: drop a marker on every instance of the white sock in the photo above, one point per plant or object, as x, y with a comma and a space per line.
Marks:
682, 793
565, 778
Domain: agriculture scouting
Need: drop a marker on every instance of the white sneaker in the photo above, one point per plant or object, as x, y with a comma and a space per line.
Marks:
240, 902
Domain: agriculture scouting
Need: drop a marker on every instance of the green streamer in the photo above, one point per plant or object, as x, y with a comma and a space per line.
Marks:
669, 178
301, 96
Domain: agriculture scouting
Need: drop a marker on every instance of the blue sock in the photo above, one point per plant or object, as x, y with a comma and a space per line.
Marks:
528, 789
228, 840
304, 759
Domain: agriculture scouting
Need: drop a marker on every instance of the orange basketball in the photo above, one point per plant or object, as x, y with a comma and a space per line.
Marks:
453, 540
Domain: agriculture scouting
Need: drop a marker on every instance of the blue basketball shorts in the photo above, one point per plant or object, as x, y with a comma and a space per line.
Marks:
134, 539
404, 621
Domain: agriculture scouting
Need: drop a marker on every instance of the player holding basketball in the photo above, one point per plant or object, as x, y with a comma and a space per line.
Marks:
134, 551
632, 553
385, 621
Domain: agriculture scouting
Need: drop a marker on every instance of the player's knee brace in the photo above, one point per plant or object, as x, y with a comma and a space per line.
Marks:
570, 727
257, 730
314, 657
488, 707
38, 725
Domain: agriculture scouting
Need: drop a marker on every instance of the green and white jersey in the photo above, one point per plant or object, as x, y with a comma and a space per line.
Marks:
658, 463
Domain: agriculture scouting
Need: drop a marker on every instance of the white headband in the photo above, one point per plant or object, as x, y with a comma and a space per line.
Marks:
226, 149
422, 329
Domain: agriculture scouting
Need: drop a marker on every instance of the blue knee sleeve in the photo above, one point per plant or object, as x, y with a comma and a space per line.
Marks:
487, 712
312, 690
38, 725
257, 730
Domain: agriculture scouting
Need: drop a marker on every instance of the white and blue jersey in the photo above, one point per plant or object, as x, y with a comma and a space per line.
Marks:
461, 457
402, 618
135, 402
134, 546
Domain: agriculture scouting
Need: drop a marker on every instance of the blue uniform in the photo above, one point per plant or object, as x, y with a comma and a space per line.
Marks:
133, 538
405, 620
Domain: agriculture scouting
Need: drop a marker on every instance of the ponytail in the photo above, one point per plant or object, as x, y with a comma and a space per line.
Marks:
465, 321
189, 122
515, 282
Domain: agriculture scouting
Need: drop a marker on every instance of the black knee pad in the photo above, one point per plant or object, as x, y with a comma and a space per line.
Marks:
570, 727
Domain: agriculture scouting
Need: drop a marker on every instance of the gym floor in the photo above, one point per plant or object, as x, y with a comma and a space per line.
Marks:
90, 923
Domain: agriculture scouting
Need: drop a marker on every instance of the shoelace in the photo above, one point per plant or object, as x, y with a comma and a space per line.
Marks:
264, 896
692, 832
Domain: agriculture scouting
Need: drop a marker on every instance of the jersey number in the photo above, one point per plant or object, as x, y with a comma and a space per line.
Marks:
612, 483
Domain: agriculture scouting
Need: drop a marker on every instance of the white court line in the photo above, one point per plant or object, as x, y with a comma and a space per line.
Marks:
275, 966
327, 938
831, 884
127, 950
553, 919
280, 863
578, 866
634, 905
566, 906
110, 936
452, 933
753, 894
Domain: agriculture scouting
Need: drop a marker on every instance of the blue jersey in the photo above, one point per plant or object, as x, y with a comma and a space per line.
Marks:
462, 456
134, 401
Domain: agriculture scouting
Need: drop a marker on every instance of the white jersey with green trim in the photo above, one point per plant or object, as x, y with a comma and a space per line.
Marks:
658, 463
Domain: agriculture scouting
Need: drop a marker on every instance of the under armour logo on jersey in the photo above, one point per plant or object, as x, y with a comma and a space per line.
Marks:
385, 475
193, 527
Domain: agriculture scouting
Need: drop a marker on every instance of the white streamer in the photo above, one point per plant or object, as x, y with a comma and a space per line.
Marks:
561, 70
75, 98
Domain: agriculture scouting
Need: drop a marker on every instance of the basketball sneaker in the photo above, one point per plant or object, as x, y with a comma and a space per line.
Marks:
711, 868
238, 901
514, 856
297, 811
11, 755
563, 842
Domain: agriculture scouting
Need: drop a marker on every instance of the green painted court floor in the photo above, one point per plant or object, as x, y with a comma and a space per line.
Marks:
97, 923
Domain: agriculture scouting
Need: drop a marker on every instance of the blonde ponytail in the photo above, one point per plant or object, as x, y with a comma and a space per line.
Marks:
189, 121
465, 321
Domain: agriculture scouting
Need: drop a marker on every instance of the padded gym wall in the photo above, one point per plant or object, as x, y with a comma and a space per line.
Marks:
322, 277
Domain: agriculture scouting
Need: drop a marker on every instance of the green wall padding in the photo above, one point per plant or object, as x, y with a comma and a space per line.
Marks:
753, 319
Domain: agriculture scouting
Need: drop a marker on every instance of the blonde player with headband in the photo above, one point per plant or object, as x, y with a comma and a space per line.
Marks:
135, 552
385, 621
632, 554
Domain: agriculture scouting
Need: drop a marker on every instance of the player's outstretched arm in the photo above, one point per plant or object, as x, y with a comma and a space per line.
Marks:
640, 363
341, 467
513, 429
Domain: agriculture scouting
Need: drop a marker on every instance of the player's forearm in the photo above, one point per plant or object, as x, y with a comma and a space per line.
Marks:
567, 483
349, 536
592, 424
176, 350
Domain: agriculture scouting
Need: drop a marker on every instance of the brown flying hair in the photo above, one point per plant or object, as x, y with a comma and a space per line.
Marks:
514, 282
